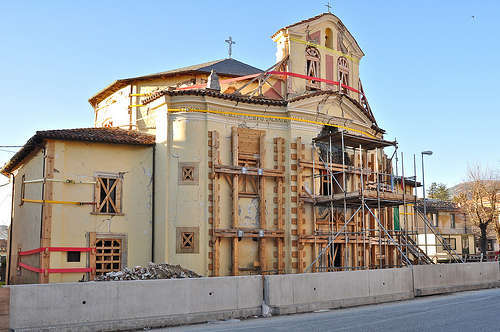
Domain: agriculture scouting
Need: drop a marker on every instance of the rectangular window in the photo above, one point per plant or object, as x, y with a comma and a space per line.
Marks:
108, 255
451, 242
489, 245
73, 256
452, 220
108, 194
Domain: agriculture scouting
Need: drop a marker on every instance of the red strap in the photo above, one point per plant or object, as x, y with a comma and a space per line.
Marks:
282, 73
30, 252
71, 270
230, 80
83, 249
35, 251
30, 268
286, 73
67, 270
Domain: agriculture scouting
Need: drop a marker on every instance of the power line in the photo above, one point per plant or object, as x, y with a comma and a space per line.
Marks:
11, 146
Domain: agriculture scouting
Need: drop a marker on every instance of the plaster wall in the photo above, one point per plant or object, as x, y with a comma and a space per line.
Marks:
26, 225
71, 224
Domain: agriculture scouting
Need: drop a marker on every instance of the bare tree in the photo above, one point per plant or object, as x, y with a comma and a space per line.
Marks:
479, 198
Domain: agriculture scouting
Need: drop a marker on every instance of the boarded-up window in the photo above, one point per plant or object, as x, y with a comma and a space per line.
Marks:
187, 240
313, 67
188, 173
108, 255
108, 194
343, 74
249, 147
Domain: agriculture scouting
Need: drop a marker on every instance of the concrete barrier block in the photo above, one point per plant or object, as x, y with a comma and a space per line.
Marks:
250, 292
445, 278
278, 290
134, 304
312, 291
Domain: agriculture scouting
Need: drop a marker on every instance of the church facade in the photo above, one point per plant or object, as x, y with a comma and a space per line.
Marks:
235, 182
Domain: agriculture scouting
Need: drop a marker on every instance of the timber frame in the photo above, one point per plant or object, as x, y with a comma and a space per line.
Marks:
342, 209
248, 177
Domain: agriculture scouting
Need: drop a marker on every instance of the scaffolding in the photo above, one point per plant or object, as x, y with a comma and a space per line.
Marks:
355, 203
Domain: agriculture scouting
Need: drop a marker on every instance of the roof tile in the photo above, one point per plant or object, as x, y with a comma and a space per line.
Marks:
95, 135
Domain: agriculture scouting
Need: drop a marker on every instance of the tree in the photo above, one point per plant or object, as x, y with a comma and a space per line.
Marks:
439, 191
479, 199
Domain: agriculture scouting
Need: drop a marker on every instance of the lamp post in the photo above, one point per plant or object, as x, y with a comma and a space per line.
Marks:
427, 153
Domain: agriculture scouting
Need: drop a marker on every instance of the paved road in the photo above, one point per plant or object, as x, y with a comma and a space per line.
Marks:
467, 311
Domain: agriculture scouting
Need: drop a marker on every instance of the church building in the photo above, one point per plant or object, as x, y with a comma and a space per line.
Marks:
221, 167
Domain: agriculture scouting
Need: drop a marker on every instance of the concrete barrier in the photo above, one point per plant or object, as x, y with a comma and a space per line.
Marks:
447, 278
133, 304
154, 303
293, 293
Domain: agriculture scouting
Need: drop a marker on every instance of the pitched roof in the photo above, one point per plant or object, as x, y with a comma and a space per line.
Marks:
216, 94
433, 205
93, 135
227, 67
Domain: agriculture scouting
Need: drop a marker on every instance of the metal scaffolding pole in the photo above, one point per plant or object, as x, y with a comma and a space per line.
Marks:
363, 201
404, 202
378, 212
345, 189
415, 221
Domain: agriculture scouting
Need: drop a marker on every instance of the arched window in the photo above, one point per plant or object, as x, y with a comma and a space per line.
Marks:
313, 67
329, 38
343, 73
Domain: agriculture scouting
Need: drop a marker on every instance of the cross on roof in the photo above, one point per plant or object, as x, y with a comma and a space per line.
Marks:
230, 43
328, 6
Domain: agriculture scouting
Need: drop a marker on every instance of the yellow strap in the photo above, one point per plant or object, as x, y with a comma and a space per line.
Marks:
324, 48
176, 110
111, 103
54, 202
139, 94
139, 105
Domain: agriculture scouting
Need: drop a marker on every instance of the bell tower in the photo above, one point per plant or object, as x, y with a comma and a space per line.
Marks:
319, 47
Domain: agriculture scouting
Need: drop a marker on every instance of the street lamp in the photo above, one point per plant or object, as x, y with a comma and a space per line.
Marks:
427, 153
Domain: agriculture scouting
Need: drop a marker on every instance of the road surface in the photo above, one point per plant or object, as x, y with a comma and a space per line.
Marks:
467, 311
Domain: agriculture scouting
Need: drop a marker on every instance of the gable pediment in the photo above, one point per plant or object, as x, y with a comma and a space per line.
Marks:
317, 25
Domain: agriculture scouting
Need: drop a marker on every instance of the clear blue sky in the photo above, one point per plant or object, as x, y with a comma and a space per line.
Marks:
430, 71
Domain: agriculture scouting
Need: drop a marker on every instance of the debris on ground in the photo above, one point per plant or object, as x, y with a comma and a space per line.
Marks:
150, 272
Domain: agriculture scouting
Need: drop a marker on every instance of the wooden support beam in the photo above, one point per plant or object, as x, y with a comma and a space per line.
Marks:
279, 147
248, 233
235, 208
262, 201
300, 217
47, 195
215, 204
240, 170
92, 255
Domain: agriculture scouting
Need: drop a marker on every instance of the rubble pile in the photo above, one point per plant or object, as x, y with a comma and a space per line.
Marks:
150, 272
